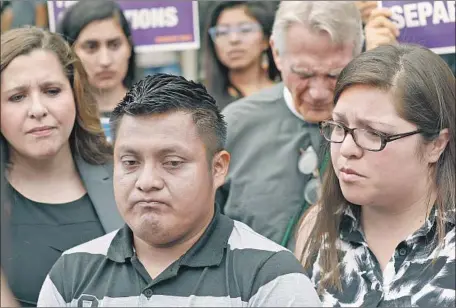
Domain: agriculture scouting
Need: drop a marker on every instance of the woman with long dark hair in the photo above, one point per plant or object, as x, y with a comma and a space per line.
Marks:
99, 33
238, 59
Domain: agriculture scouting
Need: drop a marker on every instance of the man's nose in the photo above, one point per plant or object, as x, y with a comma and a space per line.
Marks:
320, 91
149, 179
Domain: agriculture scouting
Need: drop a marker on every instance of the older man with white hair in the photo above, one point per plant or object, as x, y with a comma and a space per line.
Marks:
273, 136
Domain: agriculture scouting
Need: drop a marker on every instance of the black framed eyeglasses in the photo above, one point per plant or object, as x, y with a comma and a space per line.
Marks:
369, 140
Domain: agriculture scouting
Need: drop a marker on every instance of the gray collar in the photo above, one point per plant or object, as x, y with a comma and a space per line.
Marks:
207, 251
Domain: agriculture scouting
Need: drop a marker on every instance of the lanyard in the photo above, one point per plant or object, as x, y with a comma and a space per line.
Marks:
294, 220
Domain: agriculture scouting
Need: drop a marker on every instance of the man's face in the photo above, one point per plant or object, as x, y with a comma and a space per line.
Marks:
310, 64
163, 183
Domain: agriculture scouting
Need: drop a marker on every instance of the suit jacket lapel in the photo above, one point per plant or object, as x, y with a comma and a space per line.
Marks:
98, 183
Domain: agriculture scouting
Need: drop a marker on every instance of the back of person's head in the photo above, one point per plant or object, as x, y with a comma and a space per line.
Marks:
340, 19
164, 93
87, 139
81, 14
216, 72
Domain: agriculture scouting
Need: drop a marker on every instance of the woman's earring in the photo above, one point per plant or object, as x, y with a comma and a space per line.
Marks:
265, 61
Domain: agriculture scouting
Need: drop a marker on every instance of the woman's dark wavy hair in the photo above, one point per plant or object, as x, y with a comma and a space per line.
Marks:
78, 16
216, 74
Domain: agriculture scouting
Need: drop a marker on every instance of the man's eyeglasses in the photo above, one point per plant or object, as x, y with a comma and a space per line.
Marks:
222, 33
369, 140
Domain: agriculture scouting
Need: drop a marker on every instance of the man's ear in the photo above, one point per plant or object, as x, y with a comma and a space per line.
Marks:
275, 54
435, 149
220, 165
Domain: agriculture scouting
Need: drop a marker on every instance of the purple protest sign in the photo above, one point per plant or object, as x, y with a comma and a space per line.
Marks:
428, 23
156, 25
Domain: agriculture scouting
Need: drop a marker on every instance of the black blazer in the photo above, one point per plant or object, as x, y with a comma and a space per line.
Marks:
97, 180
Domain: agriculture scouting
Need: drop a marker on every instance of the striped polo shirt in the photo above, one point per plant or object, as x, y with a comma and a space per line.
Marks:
229, 266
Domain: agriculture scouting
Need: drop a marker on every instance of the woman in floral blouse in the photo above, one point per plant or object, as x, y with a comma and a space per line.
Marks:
383, 233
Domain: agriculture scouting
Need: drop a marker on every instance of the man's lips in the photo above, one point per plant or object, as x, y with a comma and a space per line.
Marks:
150, 203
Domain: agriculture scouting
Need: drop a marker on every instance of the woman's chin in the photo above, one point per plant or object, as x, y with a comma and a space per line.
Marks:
355, 195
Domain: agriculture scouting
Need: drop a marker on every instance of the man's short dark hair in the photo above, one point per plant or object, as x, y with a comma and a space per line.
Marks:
164, 93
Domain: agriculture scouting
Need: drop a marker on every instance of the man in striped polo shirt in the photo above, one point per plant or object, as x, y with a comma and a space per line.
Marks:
176, 249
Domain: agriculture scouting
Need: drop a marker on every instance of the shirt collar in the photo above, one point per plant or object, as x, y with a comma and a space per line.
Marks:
450, 217
121, 247
349, 226
350, 229
210, 248
289, 101
430, 222
207, 251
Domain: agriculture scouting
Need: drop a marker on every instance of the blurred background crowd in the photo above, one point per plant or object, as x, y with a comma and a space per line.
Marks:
231, 66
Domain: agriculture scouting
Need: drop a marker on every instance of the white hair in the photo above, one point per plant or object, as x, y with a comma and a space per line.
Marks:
340, 19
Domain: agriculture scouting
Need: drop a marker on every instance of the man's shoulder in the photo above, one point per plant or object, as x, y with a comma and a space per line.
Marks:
271, 272
256, 102
97, 246
244, 237
254, 252
249, 114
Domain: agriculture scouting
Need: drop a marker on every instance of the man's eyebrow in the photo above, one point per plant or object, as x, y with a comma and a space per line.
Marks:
300, 67
336, 71
172, 150
125, 149
306, 69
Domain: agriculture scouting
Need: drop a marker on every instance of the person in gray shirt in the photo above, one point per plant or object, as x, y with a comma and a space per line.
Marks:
273, 136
